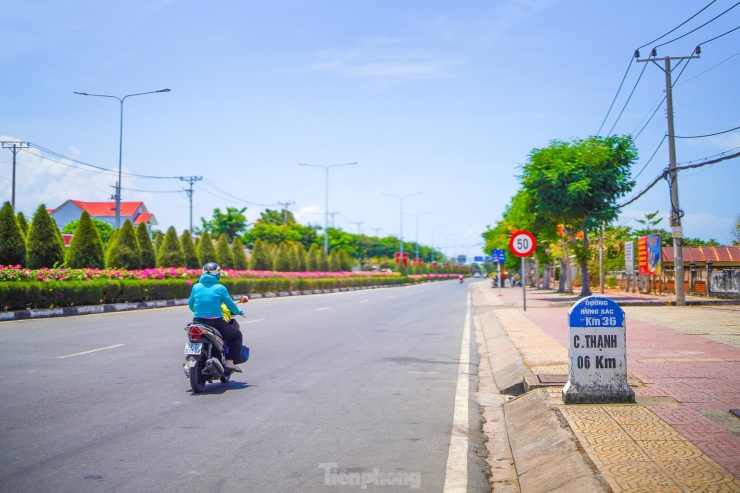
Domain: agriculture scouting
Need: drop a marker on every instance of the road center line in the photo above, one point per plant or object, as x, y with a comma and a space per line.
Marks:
325, 308
253, 321
363, 301
456, 477
90, 351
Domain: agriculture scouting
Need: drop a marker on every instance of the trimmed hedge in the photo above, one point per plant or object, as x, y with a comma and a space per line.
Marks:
59, 294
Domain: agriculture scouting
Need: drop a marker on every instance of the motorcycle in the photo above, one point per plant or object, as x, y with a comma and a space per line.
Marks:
205, 357
461, 279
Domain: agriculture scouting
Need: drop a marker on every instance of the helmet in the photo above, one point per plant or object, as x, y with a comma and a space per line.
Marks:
212, 268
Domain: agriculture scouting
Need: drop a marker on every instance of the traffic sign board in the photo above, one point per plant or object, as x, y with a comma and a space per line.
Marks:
522, 243
498, 256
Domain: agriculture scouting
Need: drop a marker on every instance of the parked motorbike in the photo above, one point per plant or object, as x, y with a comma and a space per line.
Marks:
205, 359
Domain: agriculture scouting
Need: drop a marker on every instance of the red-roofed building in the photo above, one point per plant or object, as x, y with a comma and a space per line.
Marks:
71, 210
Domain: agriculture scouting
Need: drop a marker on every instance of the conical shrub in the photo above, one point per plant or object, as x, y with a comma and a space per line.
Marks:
44, 242
86, 249
240, 258
261, 259
148, 256
22, 223
345, 261
323, 261
312, 258
124, 253
282, 261
206, 250
188, 249
170, 254
12, 242
223, 252
300, 257
158, 239
333, 260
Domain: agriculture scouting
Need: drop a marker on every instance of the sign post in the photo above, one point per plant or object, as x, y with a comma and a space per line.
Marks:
498, 256
597, 353
522, 244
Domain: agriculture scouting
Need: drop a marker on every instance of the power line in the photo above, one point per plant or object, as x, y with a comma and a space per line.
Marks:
707, 135
668, 171
651, 157
717, 37
684, 22
615, 97
710, 68
628, 99
696, 29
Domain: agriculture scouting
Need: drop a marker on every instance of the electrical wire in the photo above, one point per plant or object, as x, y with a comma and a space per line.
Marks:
717, 37
657, 102
684, 22
707, 135
628, 98
710, 68
668, 171
615, 96
696, 29
665, 136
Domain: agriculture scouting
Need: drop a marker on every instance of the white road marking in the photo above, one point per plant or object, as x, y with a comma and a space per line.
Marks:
325, 308
90, 351
364, 301
253, 321
456, 477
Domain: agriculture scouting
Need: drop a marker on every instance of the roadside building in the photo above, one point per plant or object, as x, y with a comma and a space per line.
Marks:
71, 210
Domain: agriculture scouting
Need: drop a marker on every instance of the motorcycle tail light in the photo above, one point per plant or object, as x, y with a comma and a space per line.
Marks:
195, 333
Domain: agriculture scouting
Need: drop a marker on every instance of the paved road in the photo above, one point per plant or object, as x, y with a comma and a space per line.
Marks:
365, 380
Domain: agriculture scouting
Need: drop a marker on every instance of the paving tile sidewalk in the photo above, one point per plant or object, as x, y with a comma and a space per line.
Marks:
683, 362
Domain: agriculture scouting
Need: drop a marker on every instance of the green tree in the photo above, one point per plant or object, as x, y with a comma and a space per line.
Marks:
158, 240
188, 249
108, 247
125, 252
240, 258
735, 231
12, 242
170, 254
278, 218
22, 223
300, 257
282, 259
206, 249
86, 249
233, 222
43, 242
148, 255
260, 257
105, 230
577, 184
312, 259
323, 261
223, 252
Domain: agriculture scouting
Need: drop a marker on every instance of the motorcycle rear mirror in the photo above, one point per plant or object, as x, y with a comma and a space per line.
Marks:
244, 299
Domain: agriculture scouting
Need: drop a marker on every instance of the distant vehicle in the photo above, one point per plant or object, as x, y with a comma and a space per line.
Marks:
477, 275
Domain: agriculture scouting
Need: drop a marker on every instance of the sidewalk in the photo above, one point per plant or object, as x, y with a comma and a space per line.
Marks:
683, 365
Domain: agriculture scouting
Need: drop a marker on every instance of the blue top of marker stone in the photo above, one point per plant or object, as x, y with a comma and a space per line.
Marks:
596, 311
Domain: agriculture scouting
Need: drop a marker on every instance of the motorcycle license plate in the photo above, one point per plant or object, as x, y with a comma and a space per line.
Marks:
193, 347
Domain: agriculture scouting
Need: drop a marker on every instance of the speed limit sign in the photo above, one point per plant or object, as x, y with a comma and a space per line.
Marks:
522, 243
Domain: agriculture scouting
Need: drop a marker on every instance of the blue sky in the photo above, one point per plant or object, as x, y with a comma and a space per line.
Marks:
444, 98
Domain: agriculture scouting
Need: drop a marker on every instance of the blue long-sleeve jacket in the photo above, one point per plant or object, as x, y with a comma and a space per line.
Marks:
206, 298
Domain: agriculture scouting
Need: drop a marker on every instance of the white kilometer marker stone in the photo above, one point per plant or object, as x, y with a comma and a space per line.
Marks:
91, 351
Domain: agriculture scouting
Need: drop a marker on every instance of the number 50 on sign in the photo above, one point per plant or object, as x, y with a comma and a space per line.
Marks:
522, 243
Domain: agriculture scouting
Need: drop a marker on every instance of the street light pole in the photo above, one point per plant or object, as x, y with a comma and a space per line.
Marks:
417, 216
120, 143
326, 206
433, 228
400, 199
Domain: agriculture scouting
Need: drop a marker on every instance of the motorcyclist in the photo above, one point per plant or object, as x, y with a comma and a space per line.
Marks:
205, 301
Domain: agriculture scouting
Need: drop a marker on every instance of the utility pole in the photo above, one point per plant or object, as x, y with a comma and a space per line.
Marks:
14, 148
332, 214
676, 212
189, 191
359, 226
285, 210
377, 232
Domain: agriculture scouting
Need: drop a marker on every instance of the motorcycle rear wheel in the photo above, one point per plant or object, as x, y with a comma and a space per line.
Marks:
197, 379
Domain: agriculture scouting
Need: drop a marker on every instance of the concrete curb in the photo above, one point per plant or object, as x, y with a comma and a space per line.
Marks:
72, 311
